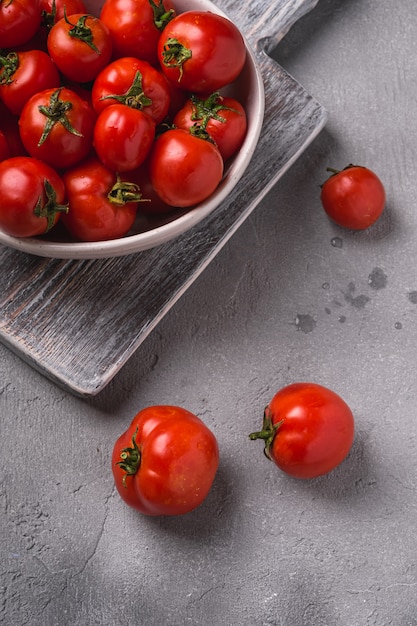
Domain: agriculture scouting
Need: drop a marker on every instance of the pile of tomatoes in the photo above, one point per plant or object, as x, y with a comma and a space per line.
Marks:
102, 116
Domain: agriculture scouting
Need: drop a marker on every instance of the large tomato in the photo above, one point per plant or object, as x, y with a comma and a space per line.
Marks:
353, 197
57, 126
81, 46
165, 462
308, 430
201, 51
19, 21
123, 137
222, 118
135, 26
23, 74
184, 169
102, 204
31, 197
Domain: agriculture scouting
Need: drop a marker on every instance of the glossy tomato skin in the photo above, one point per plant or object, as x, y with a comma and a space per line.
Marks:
134, 27
19, 21
135, 83
184, 169
99, 209
308, 430
24, 198
353, 197
165, 462
77, 59
224, 119
212, 51
123, 137
24, 74
62, 147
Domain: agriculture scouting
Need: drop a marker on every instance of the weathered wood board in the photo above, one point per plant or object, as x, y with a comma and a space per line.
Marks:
78, 322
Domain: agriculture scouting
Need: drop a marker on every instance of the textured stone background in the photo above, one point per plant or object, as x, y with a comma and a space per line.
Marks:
291, 297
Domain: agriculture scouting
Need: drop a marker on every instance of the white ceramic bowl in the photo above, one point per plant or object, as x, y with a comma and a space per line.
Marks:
147, 233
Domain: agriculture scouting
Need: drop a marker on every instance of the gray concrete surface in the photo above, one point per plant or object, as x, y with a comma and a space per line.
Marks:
291, 297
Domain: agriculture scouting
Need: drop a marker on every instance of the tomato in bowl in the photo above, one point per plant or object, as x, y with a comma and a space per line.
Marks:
166, 220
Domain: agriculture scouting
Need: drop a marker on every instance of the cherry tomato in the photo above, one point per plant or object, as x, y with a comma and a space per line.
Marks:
184, 169
221, 118
19, 21
353, 197
123, 137
102, 204
165, 462
135, 26
308, 430
54, 10
57, 125
201, 51
23, 74
81, 46
135, 83
31, 197
5, 152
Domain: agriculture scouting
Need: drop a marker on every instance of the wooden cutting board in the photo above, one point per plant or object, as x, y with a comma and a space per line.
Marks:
78, 322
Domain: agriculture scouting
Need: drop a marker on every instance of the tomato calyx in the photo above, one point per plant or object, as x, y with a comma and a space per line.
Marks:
131, 458
56, 113
334, 171
48, 19
174, 55
268, 432
134, 97
8, 66
81, 31
161, 17
124, 192
51, 207
205, 110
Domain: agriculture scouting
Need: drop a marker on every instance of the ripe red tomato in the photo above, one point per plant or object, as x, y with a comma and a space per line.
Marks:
19, 21
54, 10
353, 197
81, 46
56, 126
184, 169
135, 83
222, 118
23, 74
123, 137
31, 197
102, 205
135, 26
165, 462
201, 51
308, 430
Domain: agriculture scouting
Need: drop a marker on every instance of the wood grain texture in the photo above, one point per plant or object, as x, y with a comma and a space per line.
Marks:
78, 322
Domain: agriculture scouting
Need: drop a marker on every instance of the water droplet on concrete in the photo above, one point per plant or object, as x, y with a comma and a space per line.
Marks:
398, 325
377, 279
336, 242
305, 323
412, 296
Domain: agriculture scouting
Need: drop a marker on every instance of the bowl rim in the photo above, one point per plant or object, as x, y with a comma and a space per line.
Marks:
161, 234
